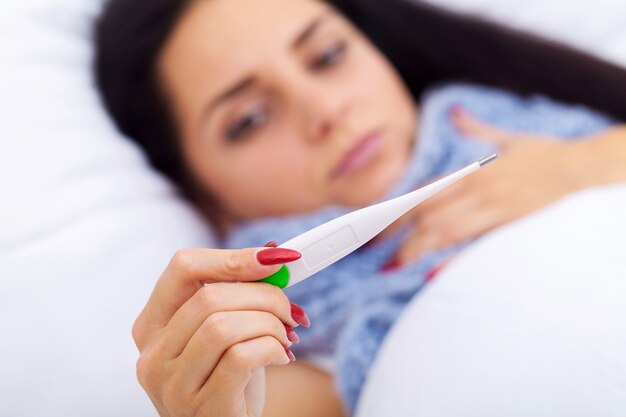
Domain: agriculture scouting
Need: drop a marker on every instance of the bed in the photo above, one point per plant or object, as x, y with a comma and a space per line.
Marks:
73, 188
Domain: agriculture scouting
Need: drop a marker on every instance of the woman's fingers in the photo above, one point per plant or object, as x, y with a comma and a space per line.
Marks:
187, 273
442, 198
218, 334
462, 189
224, 297
437, 228
470, 126
234, 371
396, 226
221, 393
454, 230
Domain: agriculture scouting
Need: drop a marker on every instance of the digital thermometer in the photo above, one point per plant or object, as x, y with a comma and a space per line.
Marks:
326, 244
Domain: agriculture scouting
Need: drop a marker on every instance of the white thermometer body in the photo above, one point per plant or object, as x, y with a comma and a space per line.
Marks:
331, 241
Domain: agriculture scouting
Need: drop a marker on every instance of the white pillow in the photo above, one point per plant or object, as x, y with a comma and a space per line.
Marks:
529, 321
85, 226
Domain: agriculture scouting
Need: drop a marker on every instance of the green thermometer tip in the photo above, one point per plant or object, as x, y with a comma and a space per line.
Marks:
279, 279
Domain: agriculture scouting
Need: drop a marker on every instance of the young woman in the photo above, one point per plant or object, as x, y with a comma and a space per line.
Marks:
276, 115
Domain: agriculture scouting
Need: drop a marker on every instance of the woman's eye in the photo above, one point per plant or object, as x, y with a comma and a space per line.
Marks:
245, 125
330, 56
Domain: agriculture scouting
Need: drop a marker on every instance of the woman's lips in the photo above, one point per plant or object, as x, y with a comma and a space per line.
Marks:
361, 154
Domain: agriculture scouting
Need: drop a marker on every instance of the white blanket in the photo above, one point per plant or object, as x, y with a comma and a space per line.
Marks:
530, 321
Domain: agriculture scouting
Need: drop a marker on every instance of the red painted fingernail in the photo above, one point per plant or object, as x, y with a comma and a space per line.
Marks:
394, 263
275, 256
271, 244
432, 273
290, 355
455, 111
292, 335
299, 315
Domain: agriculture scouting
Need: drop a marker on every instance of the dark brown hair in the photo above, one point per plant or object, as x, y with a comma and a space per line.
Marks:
427, 46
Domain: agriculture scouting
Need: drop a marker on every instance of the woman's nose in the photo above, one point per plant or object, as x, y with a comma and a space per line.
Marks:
324, 110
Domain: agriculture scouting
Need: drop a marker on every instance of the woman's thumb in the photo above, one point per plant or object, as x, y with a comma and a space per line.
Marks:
474, 128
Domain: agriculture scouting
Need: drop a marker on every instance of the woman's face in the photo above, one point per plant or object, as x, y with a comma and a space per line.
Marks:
283, 106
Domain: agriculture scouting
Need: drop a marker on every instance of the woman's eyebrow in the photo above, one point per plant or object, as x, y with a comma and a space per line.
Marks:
248, 82
310, 29
232, 91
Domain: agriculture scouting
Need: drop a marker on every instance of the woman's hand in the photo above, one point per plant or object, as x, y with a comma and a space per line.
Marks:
531, 173
203, 348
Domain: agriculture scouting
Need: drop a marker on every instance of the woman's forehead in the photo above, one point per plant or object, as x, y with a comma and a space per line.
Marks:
232, 26
219, 41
